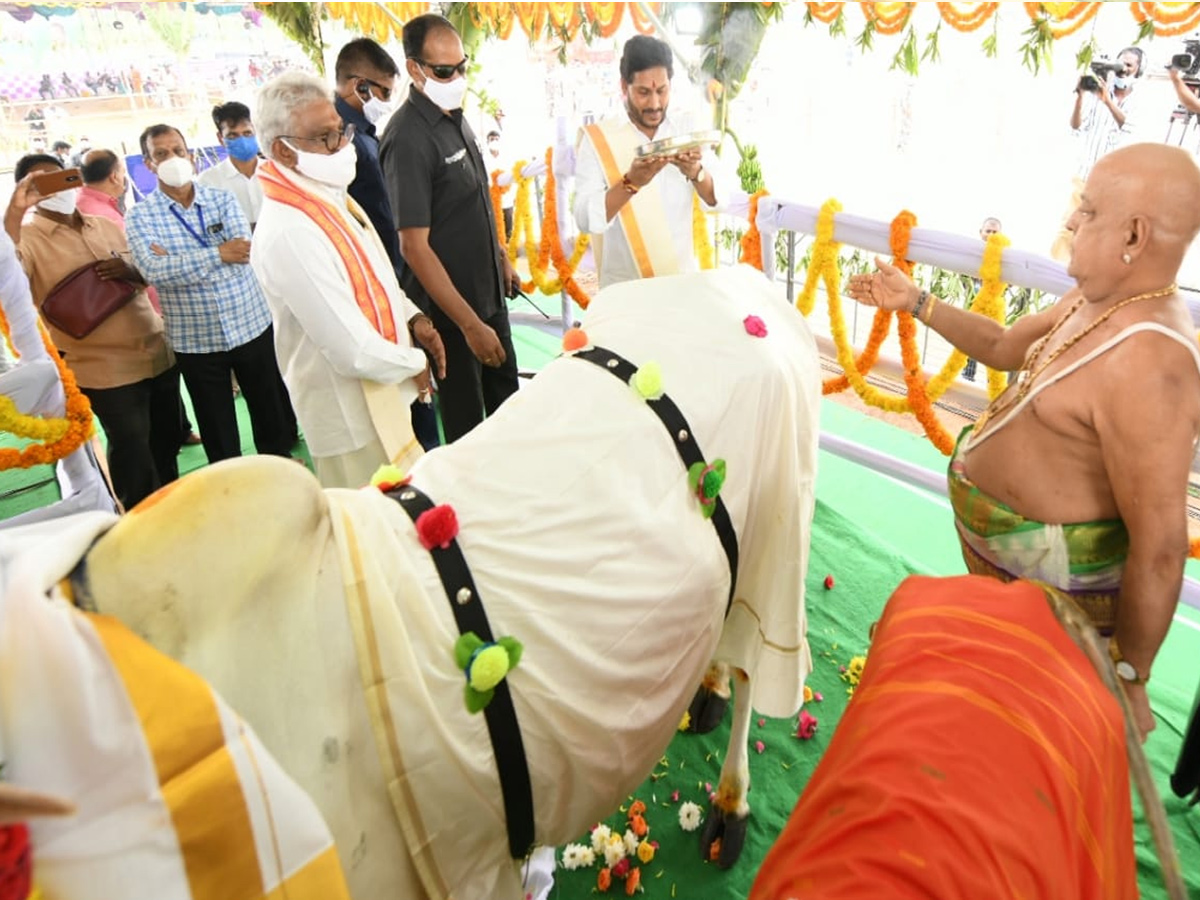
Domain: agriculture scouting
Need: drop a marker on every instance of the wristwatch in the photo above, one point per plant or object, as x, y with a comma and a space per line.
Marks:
700, 173
1126, 671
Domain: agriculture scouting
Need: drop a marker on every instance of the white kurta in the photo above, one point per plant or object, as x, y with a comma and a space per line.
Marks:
587, 546
591, 184
329, 353
249, 192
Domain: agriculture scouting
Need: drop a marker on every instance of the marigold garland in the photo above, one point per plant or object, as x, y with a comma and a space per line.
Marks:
702, 243
825, 13
1169, 19
966, 20
889, 18
751, 243
78, 418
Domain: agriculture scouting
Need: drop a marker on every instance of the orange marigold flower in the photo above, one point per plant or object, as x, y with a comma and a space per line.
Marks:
636, 808
633, 882
639, 826
604, 880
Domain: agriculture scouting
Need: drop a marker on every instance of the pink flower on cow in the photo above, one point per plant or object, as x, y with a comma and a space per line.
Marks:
755, 327
807, 726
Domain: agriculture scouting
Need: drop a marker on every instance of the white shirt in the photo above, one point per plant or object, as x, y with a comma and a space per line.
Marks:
325, 345
247, 190
591, 185
1100, 132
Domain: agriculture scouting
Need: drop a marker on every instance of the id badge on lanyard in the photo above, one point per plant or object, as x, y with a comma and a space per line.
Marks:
199, 236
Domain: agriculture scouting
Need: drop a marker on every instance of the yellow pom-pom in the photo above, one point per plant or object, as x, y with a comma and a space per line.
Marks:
387, 476
647, 381
574, 339
488, 668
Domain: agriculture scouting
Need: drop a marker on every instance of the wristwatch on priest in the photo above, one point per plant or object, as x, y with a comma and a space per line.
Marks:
1126, 670
700, 176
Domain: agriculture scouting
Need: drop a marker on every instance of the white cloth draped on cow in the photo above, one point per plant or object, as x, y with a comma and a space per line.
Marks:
586, 545
176, 797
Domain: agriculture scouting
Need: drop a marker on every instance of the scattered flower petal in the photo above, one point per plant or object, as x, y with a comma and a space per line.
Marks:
760, 746
686, 722
762, 722
755, 327
807, 726
714, 850
817, 696
600, 836
577, 856
689, 816
674, 796
646, 851
808, 694
828, 582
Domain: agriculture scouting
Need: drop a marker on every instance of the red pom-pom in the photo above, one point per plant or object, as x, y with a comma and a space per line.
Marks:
574, 339
16, 863
829, 582
437, 527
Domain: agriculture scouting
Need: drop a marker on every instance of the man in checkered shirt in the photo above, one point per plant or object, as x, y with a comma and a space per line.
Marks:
192, 242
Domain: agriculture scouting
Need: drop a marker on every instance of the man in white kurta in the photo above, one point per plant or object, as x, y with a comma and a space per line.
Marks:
640, 211
343, 327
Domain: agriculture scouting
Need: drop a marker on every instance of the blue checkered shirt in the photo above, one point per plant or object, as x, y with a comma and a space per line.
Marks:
209, 306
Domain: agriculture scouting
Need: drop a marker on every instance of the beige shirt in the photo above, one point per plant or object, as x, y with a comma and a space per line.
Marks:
127, 347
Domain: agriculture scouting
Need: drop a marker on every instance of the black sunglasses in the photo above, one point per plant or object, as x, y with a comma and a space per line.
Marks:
385, 91
445, 72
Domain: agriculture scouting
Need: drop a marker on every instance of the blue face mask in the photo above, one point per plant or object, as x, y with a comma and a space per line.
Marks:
1121, 82
243, 149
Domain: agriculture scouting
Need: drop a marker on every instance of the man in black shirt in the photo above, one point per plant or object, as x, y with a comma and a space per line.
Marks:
456, 269
366, 77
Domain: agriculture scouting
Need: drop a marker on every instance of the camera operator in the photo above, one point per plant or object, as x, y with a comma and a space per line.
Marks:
1104, 117
1109, 111
1187, 99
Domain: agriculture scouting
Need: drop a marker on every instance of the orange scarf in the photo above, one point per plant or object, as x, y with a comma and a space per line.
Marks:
369, 291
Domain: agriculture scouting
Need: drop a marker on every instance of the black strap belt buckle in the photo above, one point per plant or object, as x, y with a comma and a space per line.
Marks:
503, 728
685, 442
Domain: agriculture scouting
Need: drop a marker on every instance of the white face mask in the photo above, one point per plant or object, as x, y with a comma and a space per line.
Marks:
446, 94
334, 169
376, 109
62, 202
176, 171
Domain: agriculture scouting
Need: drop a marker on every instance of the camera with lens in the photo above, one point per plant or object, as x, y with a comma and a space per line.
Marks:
1101, 69
1189, 62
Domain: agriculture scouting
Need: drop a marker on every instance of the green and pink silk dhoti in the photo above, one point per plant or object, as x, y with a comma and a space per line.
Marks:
1084, 559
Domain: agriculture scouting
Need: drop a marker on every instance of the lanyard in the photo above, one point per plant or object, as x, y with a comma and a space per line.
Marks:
186, 224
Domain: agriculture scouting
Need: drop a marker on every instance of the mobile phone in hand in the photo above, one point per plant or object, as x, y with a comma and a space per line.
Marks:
54, 182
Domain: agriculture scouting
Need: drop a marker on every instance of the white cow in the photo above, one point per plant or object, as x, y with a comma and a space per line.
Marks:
321, 617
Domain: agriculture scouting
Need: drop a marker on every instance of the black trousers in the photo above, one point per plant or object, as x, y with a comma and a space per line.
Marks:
207, 378
141, 423
424, 424
471, 389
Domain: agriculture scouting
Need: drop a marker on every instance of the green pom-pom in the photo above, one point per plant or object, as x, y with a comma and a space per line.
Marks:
488, 668
647, 381
464, 649
387, 476
476, 700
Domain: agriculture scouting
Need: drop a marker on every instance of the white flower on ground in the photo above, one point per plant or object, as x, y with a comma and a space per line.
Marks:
577, 856
689, 816
631, 843
614, 850
600, 836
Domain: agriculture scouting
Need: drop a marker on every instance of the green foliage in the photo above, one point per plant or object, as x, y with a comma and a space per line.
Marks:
300, 22
176, 28
991, 44
866, 40
906, 57
729, 39
1145, 31
1038, 47
932, 52
1084, 57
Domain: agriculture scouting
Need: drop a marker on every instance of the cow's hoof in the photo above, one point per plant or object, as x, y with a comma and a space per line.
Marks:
727, 828
707, 711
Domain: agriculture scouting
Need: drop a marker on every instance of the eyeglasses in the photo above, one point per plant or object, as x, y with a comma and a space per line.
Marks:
333, 140
385, 91
444, 72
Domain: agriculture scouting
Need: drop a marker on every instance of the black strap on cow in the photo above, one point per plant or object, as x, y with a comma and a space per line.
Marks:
503, 727
685, 442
